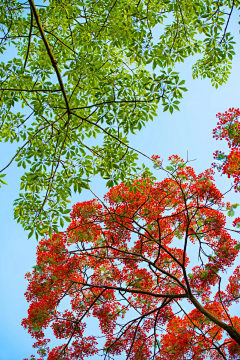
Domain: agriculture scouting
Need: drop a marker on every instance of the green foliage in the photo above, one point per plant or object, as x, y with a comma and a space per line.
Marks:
79, 73
230, 209
1, 180
237, 247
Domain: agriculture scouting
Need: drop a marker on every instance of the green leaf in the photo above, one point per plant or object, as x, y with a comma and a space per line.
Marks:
61, 222
30, 234
67, 211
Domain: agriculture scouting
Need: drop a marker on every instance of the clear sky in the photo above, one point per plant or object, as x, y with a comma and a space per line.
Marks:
189, 130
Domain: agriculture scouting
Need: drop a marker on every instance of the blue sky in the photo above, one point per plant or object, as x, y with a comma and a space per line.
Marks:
189, 130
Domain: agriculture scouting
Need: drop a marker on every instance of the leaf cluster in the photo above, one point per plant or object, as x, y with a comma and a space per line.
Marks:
79, 83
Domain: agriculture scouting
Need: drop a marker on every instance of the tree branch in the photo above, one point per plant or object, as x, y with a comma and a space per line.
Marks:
50, 53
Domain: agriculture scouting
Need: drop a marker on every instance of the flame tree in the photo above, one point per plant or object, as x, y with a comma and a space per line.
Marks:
125, 262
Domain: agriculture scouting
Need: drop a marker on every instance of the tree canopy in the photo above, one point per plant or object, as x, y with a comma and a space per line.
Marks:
125, 262
86, 70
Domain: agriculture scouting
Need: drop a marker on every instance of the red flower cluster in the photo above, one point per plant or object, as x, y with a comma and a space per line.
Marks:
228, 128
124, 263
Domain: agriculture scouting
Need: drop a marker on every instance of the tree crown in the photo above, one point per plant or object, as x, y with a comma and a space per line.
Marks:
125, 262
79, 72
